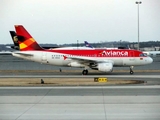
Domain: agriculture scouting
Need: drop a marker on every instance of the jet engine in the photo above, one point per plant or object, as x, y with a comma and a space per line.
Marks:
105, 67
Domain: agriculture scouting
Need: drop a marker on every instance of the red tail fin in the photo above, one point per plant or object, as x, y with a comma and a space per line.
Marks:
25, 40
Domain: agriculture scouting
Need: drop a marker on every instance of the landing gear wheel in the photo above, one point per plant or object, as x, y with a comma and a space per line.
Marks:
85, 72
131, 72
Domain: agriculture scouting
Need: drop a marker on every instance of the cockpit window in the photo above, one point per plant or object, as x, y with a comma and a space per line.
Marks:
145, 54
142, 55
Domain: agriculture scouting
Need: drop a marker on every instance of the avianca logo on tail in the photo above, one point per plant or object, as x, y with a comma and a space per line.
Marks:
26, 43
114, 53
25, 40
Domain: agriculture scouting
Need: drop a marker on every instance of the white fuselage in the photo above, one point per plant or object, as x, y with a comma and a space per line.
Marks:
54, 58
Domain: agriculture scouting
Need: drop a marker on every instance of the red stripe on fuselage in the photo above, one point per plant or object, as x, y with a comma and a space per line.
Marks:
100, 53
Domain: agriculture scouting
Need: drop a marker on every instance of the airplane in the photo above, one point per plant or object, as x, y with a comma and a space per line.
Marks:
153, 54
101, 59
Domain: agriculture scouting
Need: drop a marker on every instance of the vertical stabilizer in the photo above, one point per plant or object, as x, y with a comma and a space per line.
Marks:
25, 40
87, 44
15, 40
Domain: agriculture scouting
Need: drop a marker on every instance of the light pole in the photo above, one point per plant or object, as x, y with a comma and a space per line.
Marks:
138, 2
120, 43
77, 44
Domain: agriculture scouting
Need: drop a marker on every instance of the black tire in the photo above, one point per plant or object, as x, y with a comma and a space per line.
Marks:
85, 72
131, 72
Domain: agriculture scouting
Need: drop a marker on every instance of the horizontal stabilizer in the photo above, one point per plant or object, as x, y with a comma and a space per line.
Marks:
22, 54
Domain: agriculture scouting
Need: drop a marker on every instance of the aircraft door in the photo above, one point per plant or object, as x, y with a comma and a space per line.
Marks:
44, 57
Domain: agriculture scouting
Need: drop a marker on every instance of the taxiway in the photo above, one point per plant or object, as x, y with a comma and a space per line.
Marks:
103, 102
77, 103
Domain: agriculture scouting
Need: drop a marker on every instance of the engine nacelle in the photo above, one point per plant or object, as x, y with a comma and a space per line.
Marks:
75, 64
105, 67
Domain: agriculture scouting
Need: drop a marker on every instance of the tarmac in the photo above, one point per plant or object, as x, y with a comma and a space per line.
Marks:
77, 101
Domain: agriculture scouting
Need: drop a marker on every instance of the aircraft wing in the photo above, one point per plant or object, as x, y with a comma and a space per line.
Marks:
86, 60
97, 64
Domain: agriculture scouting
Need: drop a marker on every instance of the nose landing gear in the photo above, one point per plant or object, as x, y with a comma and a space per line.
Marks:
131, 70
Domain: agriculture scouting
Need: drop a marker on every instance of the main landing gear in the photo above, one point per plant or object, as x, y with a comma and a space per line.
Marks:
131, 69
85, 72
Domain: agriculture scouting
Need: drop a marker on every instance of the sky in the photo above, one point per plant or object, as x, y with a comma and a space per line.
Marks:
69, 21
